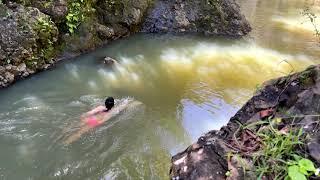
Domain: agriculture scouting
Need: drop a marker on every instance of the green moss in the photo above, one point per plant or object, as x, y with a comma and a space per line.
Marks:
305, 78
215, 4
116, 6
3, 10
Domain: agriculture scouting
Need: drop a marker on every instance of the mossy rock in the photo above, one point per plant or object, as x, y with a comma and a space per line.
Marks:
128, 13
28, 36
211, 17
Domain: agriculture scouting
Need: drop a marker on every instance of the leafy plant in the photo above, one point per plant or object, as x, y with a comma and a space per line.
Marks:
277, 149
46, 38
301, 169
78, 10
279, 157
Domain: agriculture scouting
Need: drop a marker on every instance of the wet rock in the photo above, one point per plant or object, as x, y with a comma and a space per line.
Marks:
8, 67
314, 148
109, 61
104, 32
56, 9
214, 17
22, 68
30, 71
127, 14
2, 70
9, 77
46, 66
202, 160
14, 70
25, 74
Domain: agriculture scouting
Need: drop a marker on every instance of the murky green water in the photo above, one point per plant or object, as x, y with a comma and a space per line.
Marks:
188, 85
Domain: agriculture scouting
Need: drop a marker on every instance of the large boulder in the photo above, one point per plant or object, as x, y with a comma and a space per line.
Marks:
212, 17
128, 14
56, 9
27, 37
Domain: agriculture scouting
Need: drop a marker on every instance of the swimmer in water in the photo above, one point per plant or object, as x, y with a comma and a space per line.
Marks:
92, 117
99, 116
108, 104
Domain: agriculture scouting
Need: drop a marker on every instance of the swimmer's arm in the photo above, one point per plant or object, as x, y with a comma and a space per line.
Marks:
114, 111
93, 112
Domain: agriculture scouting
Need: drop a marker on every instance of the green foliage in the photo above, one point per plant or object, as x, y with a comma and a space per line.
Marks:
277, 149
216, 5
46, 37
24, 2
78, 11
300, 169
115, 6
212, 2
258, 87
47, 4
279, 157
295, 174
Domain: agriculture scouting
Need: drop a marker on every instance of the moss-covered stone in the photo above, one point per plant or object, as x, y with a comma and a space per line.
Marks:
211, 17
27, 37
127, 13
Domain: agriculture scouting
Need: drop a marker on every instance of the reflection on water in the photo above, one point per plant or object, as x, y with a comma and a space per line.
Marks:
189, 85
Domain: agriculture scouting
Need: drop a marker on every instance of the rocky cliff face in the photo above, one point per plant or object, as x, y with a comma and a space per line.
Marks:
293, 101
34, 33
26, 40
211, 17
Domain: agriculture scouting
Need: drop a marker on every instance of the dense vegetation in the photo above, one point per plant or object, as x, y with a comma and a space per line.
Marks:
79, 10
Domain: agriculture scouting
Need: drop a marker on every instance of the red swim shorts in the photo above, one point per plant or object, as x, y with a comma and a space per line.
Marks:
93, 122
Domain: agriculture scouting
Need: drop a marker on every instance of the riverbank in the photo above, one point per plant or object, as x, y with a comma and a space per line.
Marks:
274, 133
35, 35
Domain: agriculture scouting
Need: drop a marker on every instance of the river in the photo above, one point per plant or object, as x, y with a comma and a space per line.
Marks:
188, 85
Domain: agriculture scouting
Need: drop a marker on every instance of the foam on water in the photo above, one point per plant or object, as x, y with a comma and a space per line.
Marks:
225, 65
298, 24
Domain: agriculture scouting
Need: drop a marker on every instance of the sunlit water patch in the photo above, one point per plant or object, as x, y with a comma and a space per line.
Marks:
188, 85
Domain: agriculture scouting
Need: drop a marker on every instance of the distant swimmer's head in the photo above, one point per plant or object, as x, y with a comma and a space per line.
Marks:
109, 103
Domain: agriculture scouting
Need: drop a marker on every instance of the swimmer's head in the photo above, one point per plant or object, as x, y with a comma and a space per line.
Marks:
109, 103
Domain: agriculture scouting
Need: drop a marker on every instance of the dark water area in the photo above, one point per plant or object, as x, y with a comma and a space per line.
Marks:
188, 85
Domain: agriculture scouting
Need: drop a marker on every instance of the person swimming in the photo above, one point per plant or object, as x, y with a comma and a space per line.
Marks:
99, 115
108, 105
92, 117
